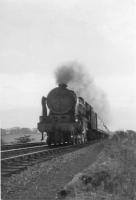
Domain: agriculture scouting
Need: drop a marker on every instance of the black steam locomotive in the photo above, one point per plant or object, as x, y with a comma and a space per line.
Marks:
68, 118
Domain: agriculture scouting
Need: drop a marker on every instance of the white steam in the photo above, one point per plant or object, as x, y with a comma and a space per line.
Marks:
78, 79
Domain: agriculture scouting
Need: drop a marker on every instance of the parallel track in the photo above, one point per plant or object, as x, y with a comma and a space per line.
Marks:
22, 150
20, 145
14, 164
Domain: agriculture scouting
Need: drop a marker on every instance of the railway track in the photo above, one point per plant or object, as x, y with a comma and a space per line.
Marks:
21, 145
23, 150
16, 163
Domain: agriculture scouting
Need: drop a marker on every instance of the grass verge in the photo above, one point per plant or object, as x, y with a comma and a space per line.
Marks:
111, 177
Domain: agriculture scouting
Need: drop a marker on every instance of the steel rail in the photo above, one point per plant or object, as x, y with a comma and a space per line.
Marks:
36, 152
15, 164
18, 149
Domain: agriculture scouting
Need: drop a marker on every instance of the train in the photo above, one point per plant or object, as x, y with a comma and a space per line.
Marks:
67, 118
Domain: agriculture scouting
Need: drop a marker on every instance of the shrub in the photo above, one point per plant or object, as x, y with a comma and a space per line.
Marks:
23, 139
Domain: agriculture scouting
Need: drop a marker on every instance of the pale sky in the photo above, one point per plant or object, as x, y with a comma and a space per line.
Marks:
38, 35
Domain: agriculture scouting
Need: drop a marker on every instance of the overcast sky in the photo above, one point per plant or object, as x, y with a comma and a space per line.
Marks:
38, 35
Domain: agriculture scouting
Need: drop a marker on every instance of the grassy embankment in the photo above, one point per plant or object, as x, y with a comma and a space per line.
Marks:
111, 177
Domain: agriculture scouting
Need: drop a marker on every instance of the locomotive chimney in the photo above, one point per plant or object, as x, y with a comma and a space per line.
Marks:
63, 85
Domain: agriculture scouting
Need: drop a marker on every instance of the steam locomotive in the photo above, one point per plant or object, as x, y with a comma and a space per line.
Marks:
67, 118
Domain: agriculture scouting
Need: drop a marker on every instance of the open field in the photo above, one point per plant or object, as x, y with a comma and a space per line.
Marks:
111, 177
12, 138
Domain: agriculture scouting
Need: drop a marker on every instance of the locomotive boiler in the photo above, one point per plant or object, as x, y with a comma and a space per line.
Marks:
68, 118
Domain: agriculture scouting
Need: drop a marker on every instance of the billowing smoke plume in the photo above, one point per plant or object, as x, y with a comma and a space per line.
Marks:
78, 79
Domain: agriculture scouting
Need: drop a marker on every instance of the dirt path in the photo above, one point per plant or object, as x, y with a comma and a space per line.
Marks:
51, 180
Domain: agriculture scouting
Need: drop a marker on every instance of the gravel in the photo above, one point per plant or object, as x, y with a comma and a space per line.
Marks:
42, 181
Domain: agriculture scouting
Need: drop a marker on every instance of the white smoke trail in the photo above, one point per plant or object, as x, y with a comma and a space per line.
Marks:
78, 79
